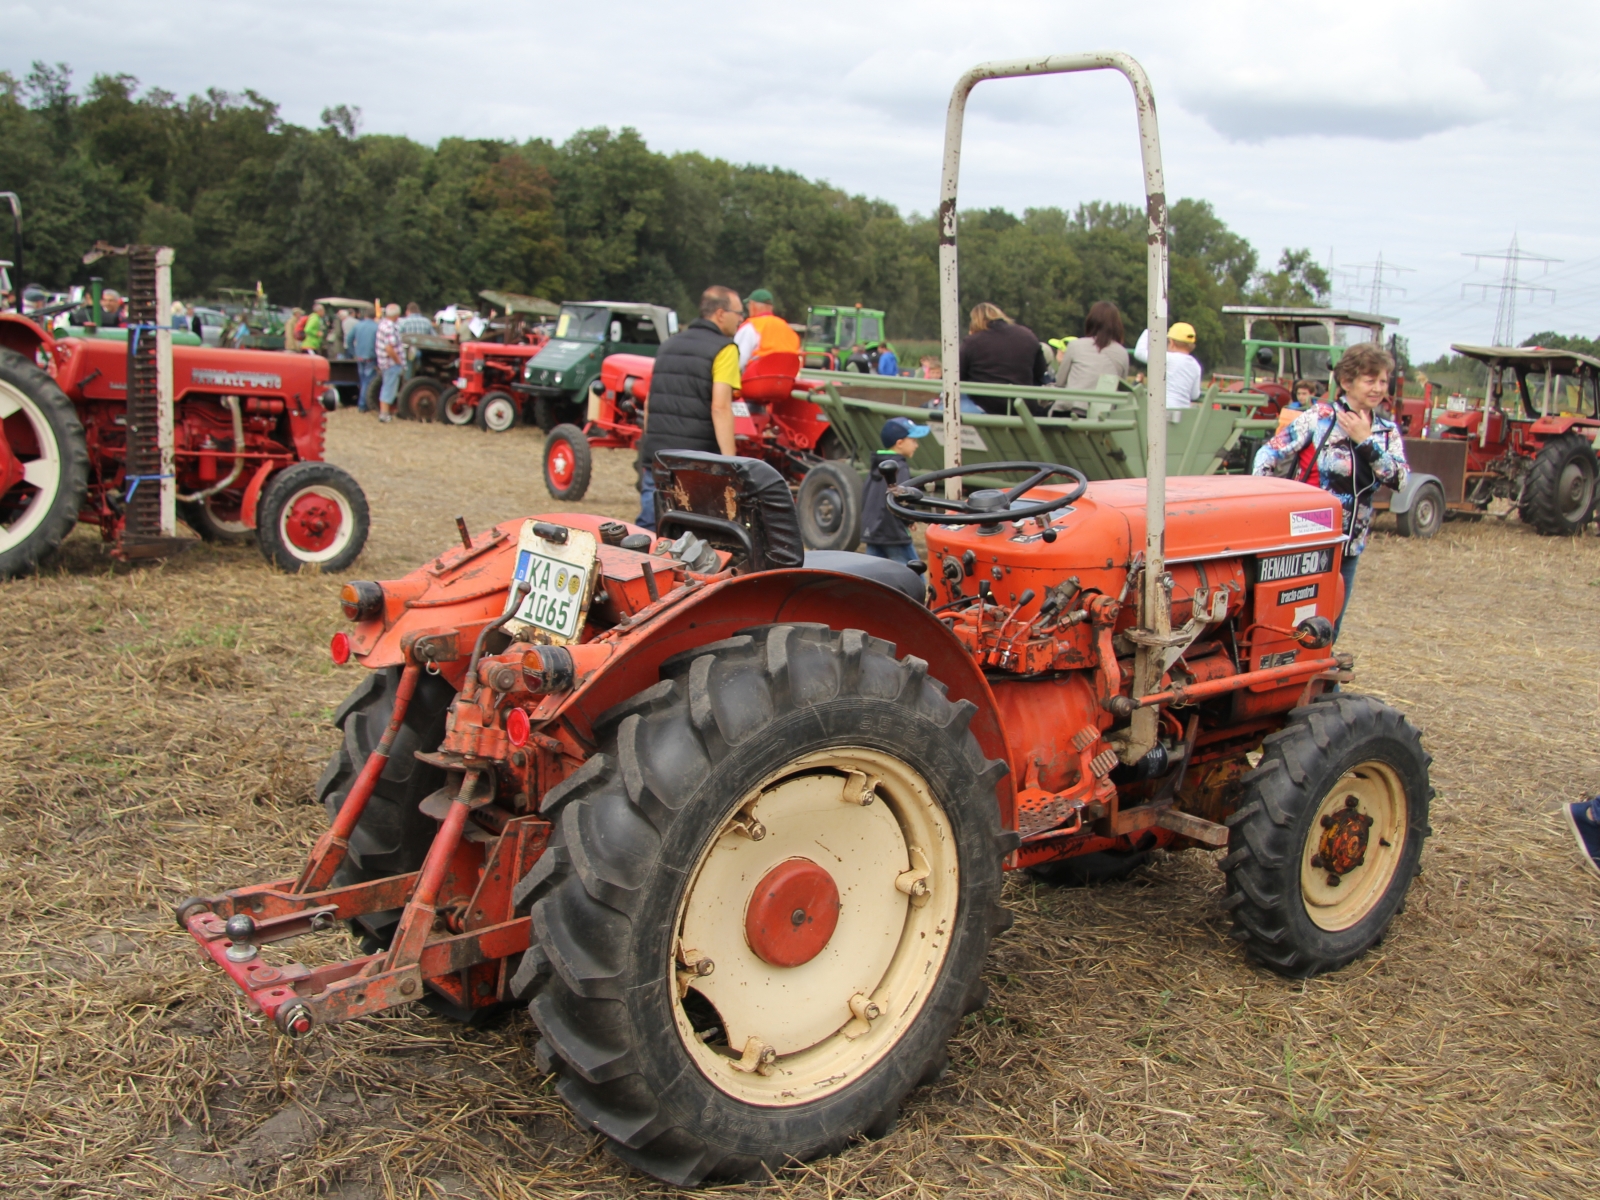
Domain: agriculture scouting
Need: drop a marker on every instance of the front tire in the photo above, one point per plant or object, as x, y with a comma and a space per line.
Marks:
1328, 835
499, 412
568, 462
458, 409
44, 465
1425, 517
312, 514
829, 507
1558, 497
772, 731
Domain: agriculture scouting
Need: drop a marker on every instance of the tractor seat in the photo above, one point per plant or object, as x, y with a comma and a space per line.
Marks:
867, 566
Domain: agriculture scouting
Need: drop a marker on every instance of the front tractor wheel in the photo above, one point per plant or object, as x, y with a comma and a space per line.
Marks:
1558, 496
499, 412
568, 462
766, 903
829, 507
1329, 835
44, 465
312, 514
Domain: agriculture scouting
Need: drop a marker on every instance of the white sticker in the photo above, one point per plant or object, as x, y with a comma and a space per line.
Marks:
971, 439
1304, 611
741, 409
1304, 524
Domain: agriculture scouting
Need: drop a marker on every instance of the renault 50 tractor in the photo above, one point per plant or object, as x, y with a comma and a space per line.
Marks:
132, 432
731, 819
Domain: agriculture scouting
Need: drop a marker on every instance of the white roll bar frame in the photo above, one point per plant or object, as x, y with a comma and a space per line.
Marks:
1155, 617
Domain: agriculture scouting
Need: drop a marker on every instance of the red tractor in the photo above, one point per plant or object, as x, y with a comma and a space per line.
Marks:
769, 422
485, 389
731, 819
1531, 444
234, 448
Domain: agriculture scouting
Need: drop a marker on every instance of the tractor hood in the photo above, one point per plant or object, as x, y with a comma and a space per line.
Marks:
559, 354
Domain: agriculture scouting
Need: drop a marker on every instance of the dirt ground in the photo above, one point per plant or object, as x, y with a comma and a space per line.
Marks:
161, 729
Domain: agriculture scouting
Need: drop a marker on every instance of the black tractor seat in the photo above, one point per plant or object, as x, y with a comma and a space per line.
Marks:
867, 566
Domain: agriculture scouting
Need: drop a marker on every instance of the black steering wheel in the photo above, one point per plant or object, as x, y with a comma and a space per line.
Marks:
988, 506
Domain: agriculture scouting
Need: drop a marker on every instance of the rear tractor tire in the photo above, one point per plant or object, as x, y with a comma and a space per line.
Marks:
716, 997
44, 465
1425, 517
419, 399
216, 518
312, 514
499, 411
1328, 836
829, 507
568, 462
1559, 494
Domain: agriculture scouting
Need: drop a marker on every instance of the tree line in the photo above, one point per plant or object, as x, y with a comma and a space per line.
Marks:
244, 196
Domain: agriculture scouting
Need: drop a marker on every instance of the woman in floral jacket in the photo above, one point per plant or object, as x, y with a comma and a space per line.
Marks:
1348, 448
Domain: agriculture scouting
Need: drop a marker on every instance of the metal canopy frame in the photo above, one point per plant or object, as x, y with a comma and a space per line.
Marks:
1155, 611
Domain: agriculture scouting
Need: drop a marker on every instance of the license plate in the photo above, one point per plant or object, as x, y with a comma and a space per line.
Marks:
561, 581
1295, 566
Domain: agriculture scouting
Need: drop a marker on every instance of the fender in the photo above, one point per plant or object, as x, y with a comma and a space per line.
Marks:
1402, 500
252, 494
22, 336
462, 590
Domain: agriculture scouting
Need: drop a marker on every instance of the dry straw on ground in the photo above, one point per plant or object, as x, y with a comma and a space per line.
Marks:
161, 728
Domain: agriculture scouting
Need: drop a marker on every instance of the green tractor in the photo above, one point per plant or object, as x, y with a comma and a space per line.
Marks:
832, 331
558, 377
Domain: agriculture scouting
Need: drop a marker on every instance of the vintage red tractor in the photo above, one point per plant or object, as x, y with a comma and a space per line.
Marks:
235, 451
732, 819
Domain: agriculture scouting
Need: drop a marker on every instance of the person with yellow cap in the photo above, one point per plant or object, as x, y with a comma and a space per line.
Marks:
1183, 368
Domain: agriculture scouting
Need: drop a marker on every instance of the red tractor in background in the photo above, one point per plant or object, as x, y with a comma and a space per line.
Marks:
731, 818
769, 422
234, 449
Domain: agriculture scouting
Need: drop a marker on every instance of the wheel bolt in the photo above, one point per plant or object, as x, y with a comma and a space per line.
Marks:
1333, 880
703, 966
1351, 802
1317, 862
1327, 821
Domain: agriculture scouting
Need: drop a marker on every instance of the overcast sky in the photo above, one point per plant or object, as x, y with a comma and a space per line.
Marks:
1410, 130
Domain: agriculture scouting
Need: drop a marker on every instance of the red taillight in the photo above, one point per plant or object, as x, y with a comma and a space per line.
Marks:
518, 727
339, 647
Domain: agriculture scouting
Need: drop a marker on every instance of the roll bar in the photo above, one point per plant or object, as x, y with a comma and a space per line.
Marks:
1155, 611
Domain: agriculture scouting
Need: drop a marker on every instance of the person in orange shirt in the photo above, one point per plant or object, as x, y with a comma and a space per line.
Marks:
764, 332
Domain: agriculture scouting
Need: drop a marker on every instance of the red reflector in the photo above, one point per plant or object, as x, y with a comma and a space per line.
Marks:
339, 647
518, 727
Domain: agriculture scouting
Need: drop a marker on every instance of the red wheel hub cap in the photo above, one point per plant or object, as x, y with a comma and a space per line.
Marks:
792, 913
561, 464
312, 521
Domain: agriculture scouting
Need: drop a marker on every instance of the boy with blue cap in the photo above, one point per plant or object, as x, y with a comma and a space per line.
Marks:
886, 535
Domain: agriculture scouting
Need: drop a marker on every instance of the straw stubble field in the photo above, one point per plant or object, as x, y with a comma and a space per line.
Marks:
161, 730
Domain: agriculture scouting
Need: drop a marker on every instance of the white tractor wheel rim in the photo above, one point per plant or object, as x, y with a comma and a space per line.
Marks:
43, 472
341, 539
224, 524
797, 1033
1379, 794
498, 415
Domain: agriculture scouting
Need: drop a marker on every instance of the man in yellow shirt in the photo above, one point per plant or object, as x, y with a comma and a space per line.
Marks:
691, 391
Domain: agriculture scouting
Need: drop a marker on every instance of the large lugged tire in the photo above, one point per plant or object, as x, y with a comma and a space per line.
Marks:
1559, 493
312, 514
499, 411
829, 507
568, 462
1328, 836
44, 465
690, 889
1425, 517
394, 835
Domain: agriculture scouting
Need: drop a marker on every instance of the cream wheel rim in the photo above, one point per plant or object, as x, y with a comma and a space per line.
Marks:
785, 1035
1344, 874
42, 472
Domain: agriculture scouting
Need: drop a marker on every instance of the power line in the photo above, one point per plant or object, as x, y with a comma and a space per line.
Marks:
1505, 317
1378, 287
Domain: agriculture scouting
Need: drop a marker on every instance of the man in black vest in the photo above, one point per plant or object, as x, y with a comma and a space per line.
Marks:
691, 391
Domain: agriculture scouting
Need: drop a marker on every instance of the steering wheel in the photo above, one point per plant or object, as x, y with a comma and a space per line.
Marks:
988, 506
